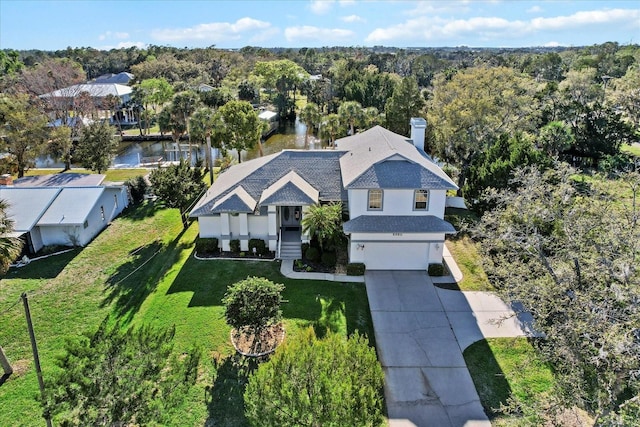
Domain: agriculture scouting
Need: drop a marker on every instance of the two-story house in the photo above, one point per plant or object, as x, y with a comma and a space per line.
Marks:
394, 193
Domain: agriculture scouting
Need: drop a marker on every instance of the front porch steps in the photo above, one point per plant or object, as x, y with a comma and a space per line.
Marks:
290, 250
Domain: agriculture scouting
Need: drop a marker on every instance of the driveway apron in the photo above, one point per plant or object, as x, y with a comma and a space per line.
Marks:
427, 382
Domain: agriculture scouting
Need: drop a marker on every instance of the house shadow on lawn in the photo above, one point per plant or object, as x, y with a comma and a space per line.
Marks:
142, 211
224, 398
492, 386
134, 280
46, 268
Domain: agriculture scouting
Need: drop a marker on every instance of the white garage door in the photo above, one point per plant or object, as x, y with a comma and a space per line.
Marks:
396, 256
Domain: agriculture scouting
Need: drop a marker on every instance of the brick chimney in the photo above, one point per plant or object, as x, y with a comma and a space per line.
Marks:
418, 127
6, 179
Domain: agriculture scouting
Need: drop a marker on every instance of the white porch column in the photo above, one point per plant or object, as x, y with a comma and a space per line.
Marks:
244, 232
273, 229
225, 231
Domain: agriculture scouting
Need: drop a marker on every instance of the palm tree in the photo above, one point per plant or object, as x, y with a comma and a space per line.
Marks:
330, 128
324, 222
310, 116
350, 112
10, 247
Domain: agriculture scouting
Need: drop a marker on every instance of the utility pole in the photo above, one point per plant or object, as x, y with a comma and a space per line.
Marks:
36, 358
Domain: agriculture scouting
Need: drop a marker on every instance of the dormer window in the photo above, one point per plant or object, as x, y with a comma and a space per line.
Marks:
420, 200
375, 200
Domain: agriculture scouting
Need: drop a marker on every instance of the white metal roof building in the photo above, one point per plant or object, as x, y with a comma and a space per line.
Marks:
62, 215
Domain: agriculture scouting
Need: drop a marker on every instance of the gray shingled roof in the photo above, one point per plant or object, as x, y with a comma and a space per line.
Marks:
377, 145
288, 195
319, 168
398, 224
236, 201
399, 174
291, 189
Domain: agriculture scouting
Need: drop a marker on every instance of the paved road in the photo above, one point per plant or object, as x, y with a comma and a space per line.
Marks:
418, 330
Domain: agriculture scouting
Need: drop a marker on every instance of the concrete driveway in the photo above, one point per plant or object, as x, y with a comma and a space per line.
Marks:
418, 329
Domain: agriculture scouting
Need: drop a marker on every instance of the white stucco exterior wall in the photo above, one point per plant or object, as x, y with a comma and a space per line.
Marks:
396, 202
209, 226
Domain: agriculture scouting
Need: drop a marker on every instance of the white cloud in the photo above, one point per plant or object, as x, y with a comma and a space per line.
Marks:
353, 18
125, 45
552, 44
534, 9
447, 30
320, 7
587, 18
113, 35
326, 35
215, 31
434, 7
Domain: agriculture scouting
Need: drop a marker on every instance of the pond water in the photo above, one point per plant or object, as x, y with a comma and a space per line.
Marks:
133, 154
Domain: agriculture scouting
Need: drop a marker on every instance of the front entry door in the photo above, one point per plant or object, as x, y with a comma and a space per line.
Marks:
291, 216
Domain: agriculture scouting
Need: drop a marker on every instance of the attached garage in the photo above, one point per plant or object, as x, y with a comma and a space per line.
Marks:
396, 243
396, 256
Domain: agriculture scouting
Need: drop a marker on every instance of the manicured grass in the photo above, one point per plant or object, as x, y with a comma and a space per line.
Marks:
112, 175
469, 261
140, 270
507, 367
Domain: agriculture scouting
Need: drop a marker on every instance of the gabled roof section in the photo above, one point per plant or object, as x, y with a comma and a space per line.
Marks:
319, 168
27, 205
236, 201
72, 206
289, 190
398, 224
369, 149
399, 174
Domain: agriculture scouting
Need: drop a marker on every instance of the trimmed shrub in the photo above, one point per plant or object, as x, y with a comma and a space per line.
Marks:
312, 254
260, 246
235, 245
328, 259
137, 188
436, 270
207, 245
304, 248
355, 269
335, 381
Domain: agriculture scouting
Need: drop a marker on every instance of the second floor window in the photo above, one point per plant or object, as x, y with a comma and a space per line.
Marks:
421, 200
375, 200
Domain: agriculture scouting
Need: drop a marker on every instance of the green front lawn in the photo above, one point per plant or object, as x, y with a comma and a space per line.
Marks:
504, 369
469, 260
141, 270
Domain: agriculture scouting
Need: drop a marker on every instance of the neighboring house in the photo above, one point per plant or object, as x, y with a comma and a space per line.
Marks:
97, 91
271, 118
122, 78
62, 209
203, 87
393, 192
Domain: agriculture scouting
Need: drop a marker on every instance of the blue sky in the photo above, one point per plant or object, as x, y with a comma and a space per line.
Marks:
51, 25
